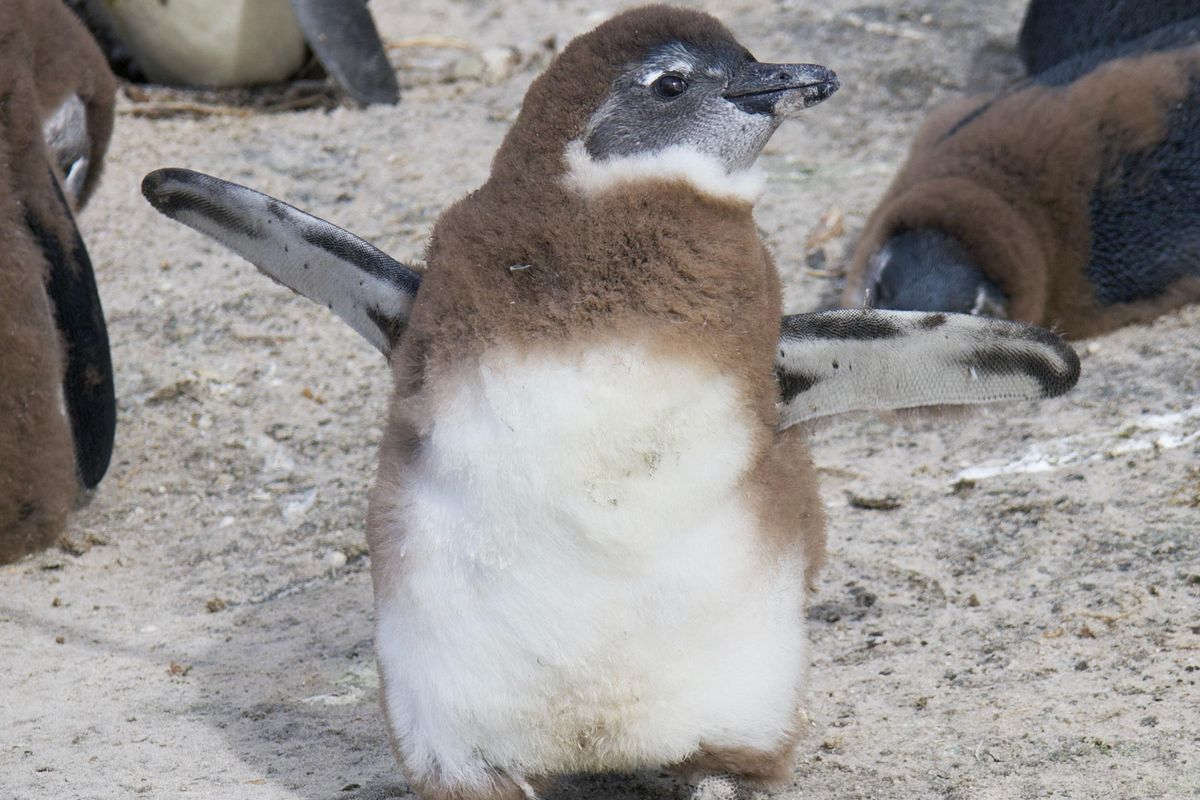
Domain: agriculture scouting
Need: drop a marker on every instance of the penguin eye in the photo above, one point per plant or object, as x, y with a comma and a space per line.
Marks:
669, 86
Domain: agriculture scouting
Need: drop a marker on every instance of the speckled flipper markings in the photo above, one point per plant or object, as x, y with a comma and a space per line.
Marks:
364, 286
855, 360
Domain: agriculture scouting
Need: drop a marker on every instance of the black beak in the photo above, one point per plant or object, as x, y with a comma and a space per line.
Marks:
780, 89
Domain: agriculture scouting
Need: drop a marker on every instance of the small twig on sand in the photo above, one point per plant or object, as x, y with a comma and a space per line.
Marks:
429, 41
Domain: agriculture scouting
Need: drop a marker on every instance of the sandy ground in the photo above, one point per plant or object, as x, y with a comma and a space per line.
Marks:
1022, 624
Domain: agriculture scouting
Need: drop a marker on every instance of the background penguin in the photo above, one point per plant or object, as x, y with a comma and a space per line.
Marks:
1068, 200
592, 524
183, 43
57, 409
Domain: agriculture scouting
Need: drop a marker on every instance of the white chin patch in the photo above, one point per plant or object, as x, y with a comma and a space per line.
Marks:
703, 172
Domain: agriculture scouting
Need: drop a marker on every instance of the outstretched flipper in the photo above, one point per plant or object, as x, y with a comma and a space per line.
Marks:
364, 286
344, 37
88, 379
869, 360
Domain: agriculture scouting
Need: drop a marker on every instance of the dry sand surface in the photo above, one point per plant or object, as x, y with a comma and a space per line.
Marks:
1011, 605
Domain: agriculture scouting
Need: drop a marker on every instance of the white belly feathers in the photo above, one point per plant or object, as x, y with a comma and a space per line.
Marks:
579, 577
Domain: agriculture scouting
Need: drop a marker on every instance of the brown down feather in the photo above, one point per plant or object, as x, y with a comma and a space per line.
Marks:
45, 53
1014, 184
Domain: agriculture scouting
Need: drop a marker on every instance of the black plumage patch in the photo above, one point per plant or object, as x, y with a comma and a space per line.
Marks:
1054, 31
1145, 213
88, 378
1156, 40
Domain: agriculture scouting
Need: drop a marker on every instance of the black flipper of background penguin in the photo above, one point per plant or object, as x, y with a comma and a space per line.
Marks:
344, 37
828, 363
364, 286
88, 379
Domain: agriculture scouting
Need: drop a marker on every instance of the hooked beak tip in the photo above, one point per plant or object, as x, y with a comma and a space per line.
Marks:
782, 89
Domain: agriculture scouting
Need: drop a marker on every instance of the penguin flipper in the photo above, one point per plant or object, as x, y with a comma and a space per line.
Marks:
345, 39
364, 286
834, 362
88, 378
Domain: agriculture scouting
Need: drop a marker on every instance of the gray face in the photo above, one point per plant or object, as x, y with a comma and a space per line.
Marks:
719, 101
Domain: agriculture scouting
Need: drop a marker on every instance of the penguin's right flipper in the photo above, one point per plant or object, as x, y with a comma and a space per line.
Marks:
88, 379
834, 362
344, 37
364, 286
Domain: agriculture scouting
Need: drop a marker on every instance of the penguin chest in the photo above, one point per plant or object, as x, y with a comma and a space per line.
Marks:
577, 576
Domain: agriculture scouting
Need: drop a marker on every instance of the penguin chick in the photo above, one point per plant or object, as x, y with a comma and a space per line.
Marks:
1053, 31
57, 409
1067, 201
594, 520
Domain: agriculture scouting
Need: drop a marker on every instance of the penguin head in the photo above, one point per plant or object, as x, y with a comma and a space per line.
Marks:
656, 78
928, 270
712, 96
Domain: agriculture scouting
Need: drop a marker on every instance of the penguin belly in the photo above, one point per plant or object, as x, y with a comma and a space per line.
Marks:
577, 579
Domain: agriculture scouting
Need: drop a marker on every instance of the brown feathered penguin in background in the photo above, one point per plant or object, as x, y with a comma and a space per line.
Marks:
593, 523
57, 411
1070, 200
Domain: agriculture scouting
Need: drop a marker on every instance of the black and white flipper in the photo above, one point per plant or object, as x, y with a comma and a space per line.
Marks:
88, 389
344, 37
869, 360
364, 286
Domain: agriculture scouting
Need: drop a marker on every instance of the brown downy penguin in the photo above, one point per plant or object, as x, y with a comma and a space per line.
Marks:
57, 409
1067, 201
593, 526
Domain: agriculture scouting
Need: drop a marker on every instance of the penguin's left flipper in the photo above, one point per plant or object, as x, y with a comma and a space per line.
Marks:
834, 362
345, 39
88, 379
364, 286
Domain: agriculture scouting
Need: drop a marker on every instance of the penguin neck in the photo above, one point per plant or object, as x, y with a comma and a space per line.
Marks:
702, 172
